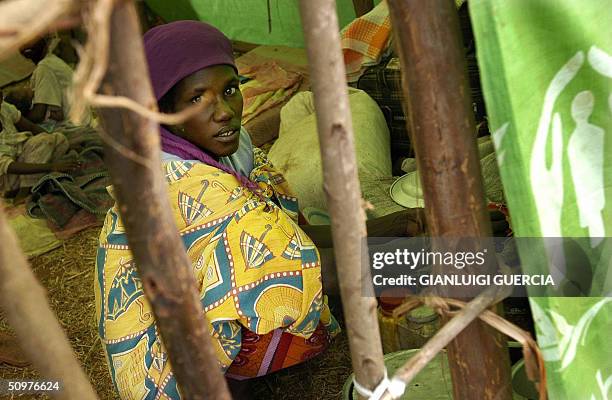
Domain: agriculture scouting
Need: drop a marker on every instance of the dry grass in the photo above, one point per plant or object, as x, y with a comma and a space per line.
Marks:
67, 274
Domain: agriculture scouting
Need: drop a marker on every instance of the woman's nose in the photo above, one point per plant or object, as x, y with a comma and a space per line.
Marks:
223, 111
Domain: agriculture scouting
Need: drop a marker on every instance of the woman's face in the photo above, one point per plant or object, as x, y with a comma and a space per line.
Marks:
217, 128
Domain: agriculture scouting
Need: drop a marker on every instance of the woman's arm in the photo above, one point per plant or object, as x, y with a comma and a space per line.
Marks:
409, 222
20, 168
37, 113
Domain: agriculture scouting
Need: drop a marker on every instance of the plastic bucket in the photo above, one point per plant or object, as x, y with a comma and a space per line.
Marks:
523, 388
432, 383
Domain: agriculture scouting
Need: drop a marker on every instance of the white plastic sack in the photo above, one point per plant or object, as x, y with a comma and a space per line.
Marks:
296, 152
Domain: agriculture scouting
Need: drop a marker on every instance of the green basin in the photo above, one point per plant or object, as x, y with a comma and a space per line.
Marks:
434, 381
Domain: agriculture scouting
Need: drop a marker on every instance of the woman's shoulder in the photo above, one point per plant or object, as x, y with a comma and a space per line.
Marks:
197, 194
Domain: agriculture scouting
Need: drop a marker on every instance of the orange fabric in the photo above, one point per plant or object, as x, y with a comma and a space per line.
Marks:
365, 39
264, 354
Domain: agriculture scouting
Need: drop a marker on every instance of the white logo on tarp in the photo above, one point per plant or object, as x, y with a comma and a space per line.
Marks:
557, 338
585, 153
604, 387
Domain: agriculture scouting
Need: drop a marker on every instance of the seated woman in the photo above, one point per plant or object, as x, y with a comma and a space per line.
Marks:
27, 152
258, 273
261, 276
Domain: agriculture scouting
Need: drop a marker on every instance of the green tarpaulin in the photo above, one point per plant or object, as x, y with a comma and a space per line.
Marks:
249, 20
546, 67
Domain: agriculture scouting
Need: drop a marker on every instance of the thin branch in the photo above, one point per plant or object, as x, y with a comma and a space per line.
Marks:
124, 150
93, 63
100, 28
105, 101
93, 66
534, 361
337, 146
25, 20
269, 17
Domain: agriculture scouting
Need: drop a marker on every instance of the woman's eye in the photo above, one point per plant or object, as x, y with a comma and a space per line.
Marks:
196, 99
230, 91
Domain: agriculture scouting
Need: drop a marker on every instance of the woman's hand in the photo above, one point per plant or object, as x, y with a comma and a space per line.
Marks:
65, 166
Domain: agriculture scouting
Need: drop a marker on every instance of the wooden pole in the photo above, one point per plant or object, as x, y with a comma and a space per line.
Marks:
341, 186
27, 310
362, 7
165, 271
436, 90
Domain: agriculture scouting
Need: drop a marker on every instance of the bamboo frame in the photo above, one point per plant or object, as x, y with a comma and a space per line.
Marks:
436, 90
341, 186
163, 266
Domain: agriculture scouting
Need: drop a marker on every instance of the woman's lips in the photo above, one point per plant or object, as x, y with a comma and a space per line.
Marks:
227, 136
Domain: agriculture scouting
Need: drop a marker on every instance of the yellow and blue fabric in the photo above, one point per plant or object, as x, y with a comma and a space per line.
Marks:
255, 269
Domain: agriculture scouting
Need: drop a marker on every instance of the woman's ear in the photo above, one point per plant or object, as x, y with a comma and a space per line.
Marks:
178, 130
166, 103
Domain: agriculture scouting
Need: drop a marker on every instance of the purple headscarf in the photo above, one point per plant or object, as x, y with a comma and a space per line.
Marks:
180, 48
175, 51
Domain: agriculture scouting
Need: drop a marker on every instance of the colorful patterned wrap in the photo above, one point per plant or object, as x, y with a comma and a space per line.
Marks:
255, 269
